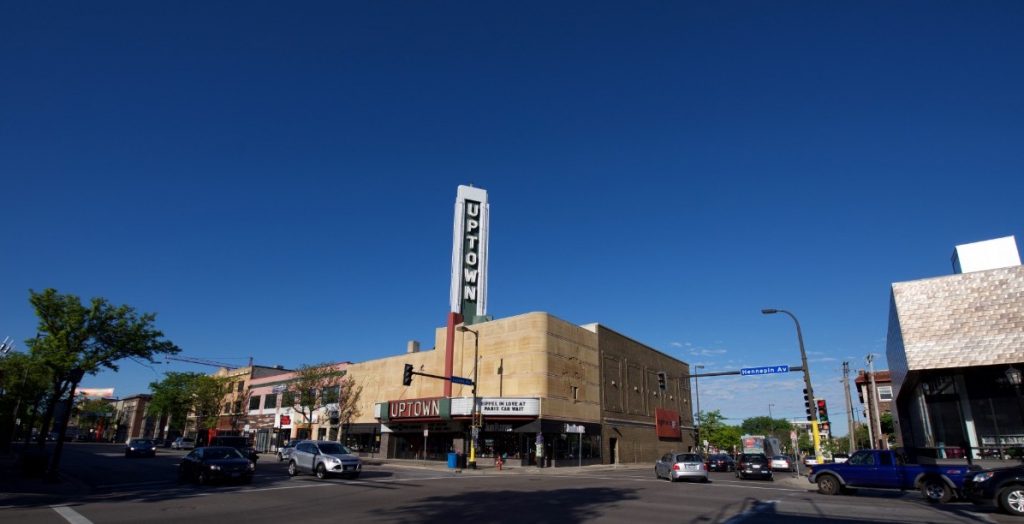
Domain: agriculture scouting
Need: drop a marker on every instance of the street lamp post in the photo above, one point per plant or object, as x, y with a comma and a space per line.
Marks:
807, 381
475, 431
696, 421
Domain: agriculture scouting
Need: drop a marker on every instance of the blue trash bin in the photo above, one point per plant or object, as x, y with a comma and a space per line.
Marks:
453, 460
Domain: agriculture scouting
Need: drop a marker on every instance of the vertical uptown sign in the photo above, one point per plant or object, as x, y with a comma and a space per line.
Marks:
469, 254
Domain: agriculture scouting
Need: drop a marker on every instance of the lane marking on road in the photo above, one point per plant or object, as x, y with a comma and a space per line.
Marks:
70, 515
130, 484
725, 483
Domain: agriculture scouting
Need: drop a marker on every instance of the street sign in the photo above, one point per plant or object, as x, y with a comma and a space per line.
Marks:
461, 380
764, 370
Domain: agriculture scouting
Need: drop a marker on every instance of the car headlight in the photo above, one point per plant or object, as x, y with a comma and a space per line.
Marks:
252, 467
214, 467
982, 477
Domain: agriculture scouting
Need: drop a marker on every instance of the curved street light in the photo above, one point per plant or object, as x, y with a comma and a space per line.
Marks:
807, 381
475, 431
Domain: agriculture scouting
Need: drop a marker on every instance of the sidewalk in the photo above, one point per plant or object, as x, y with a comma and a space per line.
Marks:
19, 489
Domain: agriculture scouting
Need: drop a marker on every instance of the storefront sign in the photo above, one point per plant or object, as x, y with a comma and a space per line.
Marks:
667, 422
509, 407
574, 428
469, 253
417, 408
498, 428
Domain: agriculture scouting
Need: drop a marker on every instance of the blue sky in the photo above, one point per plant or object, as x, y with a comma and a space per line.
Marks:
278, 182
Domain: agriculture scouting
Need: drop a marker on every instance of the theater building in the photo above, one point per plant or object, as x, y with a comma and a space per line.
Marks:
548, 391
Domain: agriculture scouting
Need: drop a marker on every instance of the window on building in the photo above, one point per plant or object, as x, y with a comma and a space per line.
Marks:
238, 406
254, 403
270, 401
241, 385
288, 399
330, 394
227, 407
575, 392
885, 393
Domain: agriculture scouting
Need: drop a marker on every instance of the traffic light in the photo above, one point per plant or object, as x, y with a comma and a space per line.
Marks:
822, 410
407, 375
807, 406
662, 385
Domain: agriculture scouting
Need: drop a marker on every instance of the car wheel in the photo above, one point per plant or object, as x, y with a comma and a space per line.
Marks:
656, 474
936, 491
828, 485
321, 472
1011, 499
292, 469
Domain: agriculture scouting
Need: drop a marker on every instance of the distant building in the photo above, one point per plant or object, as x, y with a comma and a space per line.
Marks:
131, 419
883, 393
955, 346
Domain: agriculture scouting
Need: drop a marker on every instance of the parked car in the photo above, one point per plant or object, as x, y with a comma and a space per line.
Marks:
783, 463
754, 465
240, 443
285, 452
676, 466
887, 469
1003, 487
324, 458
721, 462
183, 443
215, 463
140, 447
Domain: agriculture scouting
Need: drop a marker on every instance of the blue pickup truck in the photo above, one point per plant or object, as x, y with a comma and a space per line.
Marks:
885, 469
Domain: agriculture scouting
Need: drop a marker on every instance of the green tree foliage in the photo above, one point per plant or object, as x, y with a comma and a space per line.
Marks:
179, 394
769, 427
92, 412
25, 382
718, 434
888, 427
76, 340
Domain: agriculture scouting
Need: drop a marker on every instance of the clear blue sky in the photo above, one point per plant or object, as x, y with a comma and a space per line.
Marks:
278, 182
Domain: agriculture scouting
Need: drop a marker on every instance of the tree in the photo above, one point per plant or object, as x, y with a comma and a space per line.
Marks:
718, 434
772, 427
92, 412
314, 387
74, 340
24, 381
179, 394
885, 421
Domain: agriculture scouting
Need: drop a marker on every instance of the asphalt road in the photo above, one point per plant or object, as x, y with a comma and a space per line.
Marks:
145, 490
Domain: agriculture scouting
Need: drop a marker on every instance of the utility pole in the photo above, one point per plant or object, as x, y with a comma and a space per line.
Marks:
874, 401
849, 407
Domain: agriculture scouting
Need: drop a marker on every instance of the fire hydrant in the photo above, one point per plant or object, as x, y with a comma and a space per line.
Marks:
498, 463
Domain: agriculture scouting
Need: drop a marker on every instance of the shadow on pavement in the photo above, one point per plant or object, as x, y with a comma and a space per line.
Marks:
564, 506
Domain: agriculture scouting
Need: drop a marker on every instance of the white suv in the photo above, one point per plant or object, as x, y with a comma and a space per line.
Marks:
324, 458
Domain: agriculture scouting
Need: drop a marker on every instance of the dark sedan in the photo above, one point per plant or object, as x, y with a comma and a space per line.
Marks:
140, 447
721, 462
1002, 487
215, 464
754, 465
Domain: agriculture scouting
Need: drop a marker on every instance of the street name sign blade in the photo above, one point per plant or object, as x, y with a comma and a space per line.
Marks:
764, 370
461, 380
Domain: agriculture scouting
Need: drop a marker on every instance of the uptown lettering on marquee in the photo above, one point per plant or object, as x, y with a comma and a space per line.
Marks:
414, 408
471, 257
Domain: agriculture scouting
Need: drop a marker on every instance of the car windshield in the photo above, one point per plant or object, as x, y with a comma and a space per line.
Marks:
779, 457
142, 442
221, 453
755, 459
331, 448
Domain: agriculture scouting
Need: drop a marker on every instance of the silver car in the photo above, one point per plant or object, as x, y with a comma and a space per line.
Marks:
324, 458
675, 466
285, 452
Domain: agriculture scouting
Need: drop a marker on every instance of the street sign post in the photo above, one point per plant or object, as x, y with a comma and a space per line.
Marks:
764, 370
461, 380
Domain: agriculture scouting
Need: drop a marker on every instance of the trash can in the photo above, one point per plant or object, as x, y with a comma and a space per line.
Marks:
453, 460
